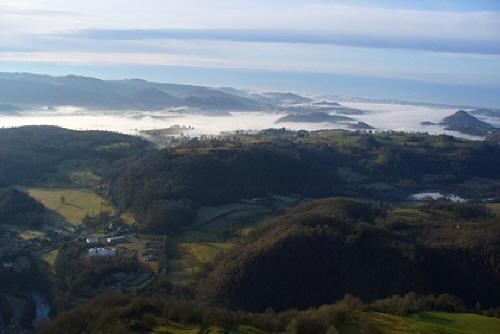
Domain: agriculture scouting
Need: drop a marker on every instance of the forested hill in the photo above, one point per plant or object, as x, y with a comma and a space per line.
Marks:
322, 164
323, 250
17, 208
34, 154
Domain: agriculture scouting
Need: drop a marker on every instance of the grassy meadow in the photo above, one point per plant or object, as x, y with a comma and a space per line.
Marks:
427, 323
174, 328
50, 257
72, 204
217, 229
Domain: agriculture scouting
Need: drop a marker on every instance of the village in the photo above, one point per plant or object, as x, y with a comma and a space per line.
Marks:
29, 256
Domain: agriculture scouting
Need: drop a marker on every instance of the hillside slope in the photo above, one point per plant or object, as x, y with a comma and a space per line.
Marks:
321, 251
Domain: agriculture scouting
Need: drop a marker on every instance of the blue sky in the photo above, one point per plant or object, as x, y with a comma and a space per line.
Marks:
441, 51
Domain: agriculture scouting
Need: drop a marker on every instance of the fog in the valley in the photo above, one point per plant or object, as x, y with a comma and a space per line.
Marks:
381, 116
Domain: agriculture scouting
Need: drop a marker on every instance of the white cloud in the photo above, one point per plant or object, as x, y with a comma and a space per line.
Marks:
422, 66
59, 15
31, 25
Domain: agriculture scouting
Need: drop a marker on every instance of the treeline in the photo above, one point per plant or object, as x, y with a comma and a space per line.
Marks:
26, 310
20, 283
220, 172
165, 187
19, 209
33, 154
323, 250
118, 313
33, 277
464, 210
78, 276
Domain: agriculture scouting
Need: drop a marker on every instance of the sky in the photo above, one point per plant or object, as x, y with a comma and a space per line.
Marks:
439, 51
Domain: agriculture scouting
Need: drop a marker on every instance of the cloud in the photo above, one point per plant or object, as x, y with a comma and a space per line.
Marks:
294, 35
431, 43
363, 20
333, 22
289, 57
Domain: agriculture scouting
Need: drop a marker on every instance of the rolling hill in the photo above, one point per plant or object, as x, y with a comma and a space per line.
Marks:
323, 250
464, 122
31, 90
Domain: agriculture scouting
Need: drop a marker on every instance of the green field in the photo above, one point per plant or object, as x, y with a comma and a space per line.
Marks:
409, 214
440, 322
50, 257
217, 229
31, 234
190, 258
429, 323
495, 208
174, 328
72, 204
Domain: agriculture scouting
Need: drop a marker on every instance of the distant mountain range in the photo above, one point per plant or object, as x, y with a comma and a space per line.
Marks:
31, 90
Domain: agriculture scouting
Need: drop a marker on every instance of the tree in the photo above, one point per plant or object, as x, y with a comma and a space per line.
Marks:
366, 326
332, 330
292, 327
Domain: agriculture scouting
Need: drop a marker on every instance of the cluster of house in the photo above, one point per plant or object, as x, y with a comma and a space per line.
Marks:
18, 264
67, 232
104, 251
101, 251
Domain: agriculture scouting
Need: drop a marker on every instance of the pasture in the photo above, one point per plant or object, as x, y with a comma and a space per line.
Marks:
50, 257
495, 208
428, 323
31, 234
72, 204
217, 229
190, 258
175, 328
441, 322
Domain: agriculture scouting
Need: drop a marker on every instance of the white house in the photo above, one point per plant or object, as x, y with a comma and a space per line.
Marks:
8, 265
102, 252
116, 240
92, 240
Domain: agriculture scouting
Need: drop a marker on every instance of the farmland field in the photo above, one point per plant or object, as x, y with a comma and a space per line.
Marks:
217, 229
173, 328
31, 234
50, 257
430, 323
72, 204
440, 322
191, 256
495, 208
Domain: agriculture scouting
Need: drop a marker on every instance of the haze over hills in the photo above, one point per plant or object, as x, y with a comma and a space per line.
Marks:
463, 122
32, 90
466, 123
133, 106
